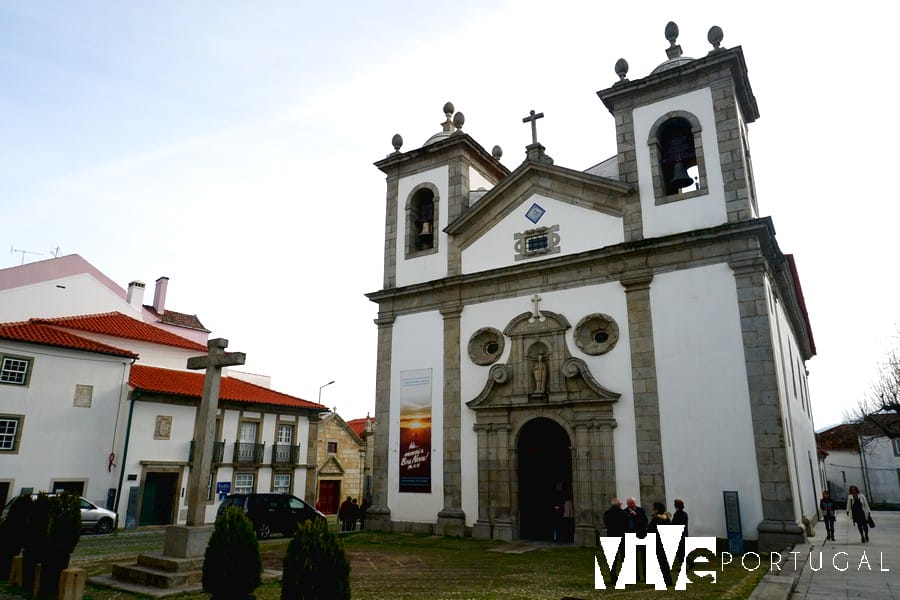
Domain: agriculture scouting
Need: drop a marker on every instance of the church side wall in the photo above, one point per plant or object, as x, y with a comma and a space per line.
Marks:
704, 407
612, 370
706, 210
477, 180
418, 344
795, 412
425, 267
579, 230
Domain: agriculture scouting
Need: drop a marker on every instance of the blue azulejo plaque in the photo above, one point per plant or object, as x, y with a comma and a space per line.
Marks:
535, 213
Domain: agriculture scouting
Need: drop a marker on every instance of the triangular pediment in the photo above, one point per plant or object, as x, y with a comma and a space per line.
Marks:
591, 192
331, 467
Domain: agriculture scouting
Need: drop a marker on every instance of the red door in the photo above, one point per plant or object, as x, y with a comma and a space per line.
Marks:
329, 496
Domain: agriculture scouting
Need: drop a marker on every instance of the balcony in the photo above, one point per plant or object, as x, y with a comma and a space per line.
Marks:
217, 455
248, 453
285, 454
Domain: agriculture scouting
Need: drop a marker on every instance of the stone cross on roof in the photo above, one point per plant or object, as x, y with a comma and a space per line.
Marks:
533, 117
205, 424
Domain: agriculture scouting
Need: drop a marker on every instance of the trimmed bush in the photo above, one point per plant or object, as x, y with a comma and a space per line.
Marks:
12, 532
63, 533
315, 566
232, 565
34, 545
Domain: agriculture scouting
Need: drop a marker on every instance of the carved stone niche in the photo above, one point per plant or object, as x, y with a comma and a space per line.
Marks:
540, 368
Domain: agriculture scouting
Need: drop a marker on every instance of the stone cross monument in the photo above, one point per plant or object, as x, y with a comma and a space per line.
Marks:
190, 540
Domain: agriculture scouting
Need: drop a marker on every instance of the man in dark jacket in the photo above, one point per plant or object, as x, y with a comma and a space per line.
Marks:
614, 520
636, 522
680, 518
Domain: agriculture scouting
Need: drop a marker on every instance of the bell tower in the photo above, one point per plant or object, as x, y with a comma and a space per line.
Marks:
427, 189
682, 138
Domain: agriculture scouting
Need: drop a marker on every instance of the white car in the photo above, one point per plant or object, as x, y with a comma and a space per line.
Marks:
93, 517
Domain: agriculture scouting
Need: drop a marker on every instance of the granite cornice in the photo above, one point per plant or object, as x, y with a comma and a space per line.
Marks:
455, 146
648, 257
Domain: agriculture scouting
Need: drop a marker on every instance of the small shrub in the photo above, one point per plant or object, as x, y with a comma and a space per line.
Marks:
315, 566
232, 565
12, 532
63, 533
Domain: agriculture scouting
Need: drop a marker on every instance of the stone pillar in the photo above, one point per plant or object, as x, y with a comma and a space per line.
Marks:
504, 528
779, 527
643, 378
482, 528
583, 494
378, 516
312, 459
451, 520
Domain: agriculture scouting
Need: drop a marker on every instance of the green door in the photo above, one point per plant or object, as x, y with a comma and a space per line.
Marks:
158, 498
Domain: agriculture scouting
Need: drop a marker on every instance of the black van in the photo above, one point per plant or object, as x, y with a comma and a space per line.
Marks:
272, 512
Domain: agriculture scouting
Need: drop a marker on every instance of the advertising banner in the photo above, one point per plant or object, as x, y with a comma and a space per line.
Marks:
415, 431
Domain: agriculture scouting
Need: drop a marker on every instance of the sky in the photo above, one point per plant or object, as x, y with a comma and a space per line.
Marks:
229, 147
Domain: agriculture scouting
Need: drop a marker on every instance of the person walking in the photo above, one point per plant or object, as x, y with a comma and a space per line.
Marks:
858, 509
826, 504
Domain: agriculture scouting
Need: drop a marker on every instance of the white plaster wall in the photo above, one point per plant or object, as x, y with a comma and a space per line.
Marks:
805, 480
60, 441
612, 370
428, 266
706, 210
418, 344
883, 468
704, 404
579, 229
843, 468
66, 296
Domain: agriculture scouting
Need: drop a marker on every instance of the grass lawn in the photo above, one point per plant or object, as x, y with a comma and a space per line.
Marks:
406, 566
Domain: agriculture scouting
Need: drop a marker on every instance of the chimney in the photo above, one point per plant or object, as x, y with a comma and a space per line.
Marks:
135, 296
159, 298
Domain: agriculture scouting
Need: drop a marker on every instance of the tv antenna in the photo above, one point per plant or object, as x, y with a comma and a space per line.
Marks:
12, 250
55, 252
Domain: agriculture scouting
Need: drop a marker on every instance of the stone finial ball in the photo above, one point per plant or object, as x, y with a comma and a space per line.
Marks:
448, 108
396, 141
497, 152
459, 120
715, 36
621, 68
671, 31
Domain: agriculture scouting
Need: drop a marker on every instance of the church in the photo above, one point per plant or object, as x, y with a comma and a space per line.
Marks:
551, 337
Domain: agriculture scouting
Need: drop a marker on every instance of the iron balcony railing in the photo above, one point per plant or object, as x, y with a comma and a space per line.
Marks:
247, 452
217, 455
285, 454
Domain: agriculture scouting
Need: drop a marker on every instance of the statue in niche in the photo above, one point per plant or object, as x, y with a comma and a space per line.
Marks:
540, 374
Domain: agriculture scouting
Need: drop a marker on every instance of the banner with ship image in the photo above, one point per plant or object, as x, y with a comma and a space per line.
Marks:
415, 431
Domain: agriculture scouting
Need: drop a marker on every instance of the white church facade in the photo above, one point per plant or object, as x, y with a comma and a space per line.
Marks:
629, 330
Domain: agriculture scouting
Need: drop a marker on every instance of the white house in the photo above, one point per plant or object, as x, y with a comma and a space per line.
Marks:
144, 424
629, 330
860, 455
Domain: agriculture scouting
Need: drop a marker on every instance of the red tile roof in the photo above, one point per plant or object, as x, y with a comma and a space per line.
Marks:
359, 425
35, 333
170, 317
185, 383
119, 325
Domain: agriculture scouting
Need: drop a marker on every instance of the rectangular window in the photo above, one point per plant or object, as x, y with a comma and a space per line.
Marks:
10, 428
285, 434
896, 442
281, 483
248, 431
14, 370
332, 447
537, 244
243, 483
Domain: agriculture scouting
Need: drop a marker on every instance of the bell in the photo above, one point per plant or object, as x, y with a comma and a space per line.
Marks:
426, 228
680, 178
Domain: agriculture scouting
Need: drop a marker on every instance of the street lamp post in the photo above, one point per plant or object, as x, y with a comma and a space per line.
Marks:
320, 389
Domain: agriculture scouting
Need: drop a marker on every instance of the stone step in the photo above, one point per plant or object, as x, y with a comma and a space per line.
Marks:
170, 564
144, 575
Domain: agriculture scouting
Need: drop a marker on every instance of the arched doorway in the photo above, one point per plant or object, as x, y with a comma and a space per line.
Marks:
545, 476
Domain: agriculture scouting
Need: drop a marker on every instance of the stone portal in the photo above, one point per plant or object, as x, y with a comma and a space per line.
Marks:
544, 475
